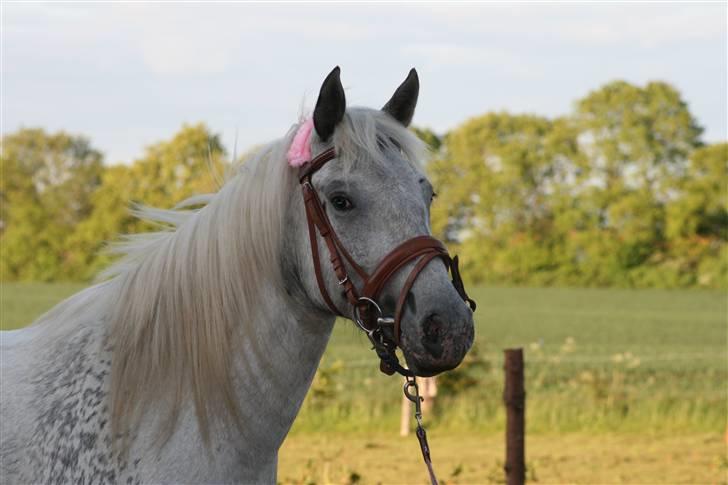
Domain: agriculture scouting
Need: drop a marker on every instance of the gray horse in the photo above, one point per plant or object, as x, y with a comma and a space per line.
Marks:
190, 361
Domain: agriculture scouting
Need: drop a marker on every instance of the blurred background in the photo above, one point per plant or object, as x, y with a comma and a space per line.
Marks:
579, 156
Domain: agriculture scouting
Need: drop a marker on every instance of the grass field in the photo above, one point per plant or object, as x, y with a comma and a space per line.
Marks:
623, 386
471, 459
21, 303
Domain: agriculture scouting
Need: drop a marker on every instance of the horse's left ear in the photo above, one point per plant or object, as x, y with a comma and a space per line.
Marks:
404, 100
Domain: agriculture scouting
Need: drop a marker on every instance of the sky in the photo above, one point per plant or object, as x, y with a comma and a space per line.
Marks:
127, 75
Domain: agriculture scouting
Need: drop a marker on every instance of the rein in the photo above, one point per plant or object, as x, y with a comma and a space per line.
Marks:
384, 332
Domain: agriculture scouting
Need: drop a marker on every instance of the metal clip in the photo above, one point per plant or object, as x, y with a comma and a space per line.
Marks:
385, 321
411, 381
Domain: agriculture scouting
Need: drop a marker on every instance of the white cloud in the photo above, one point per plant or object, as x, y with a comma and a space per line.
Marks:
207, 39
598, 24
178, 41
450, 55
127, 74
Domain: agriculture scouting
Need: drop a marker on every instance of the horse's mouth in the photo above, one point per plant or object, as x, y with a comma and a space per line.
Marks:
437, 350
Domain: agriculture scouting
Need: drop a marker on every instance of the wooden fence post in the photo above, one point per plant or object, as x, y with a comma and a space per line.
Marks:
514, 396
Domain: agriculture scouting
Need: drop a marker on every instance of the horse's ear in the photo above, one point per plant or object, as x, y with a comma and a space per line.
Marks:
330, 105
403, 102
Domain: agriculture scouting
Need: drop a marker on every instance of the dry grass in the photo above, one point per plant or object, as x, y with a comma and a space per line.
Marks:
573, 458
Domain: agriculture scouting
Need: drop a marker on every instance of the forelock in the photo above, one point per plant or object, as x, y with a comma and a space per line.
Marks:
368, 134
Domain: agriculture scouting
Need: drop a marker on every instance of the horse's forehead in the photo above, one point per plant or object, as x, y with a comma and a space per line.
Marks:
382, 168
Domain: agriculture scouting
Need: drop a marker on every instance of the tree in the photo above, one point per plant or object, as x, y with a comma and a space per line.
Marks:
169, 172
497, 178
609, 195
697, 220
638, 141
431, 139
45, 189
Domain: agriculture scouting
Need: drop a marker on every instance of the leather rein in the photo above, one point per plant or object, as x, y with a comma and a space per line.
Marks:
383, 332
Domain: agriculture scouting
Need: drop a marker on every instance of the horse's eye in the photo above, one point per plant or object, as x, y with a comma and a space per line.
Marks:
341, 203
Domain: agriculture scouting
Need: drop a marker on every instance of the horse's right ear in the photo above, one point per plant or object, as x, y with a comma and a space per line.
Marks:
330, 106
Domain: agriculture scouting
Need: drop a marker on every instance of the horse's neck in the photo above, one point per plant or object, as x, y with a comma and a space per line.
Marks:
275, 359
278, 357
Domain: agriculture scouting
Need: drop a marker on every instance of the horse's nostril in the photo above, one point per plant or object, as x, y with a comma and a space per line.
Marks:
432, 329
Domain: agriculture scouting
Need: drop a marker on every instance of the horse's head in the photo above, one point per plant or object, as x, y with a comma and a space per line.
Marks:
375, 197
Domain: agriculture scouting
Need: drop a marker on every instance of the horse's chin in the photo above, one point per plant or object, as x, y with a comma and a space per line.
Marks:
424, 365
426, 372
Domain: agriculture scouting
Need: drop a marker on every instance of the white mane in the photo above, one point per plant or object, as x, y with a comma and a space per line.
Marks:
179, 293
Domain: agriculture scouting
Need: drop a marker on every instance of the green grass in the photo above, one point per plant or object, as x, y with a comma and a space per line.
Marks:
596, 360
21, 303
602, 321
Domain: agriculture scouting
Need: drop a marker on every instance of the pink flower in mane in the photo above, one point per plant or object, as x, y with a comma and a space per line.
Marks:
300, 150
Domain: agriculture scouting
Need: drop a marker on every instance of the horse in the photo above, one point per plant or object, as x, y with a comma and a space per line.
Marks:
190, 358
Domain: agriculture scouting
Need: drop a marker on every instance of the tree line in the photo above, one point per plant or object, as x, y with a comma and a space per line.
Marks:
622, 191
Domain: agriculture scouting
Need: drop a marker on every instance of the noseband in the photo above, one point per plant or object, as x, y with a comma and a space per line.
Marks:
366, 311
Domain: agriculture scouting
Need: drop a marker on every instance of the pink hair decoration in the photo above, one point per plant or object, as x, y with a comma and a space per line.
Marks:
300, 150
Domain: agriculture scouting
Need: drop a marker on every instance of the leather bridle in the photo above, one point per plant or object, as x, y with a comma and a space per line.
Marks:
422, 249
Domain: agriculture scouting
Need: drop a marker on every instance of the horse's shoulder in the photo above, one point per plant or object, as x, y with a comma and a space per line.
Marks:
60, 376
12, 339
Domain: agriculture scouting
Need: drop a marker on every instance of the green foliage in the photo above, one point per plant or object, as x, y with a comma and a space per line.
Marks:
61, 206
430, 138
168, 173
45, 192
696, 223
324, 387
620, 193
473, 366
